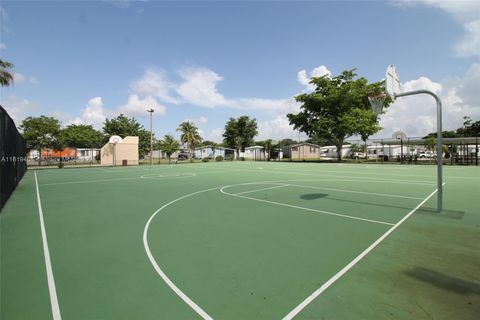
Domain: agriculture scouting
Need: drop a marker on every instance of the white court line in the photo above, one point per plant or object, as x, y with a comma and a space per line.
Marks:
48, 265
360, 192
304, 208
130, 178
250, 191
361, 179
160, 272
352, 263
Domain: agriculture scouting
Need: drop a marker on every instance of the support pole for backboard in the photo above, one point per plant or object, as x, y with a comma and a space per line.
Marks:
439, 142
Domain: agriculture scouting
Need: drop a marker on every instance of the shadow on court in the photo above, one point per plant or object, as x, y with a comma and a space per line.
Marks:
313, 196
450, 214
444, 281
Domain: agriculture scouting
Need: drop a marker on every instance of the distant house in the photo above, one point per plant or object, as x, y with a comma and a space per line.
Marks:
331, 151
387, 152
304, 151
256, 153
212, 152
84, 154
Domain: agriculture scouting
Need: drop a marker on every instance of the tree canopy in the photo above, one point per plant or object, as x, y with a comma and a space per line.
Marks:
82, 136
239, 133
6, 73
470, 128
338, 108
40, 132
123, 126
169, 145
189, 135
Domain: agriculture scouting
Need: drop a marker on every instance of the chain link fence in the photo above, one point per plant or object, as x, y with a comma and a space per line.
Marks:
13, 163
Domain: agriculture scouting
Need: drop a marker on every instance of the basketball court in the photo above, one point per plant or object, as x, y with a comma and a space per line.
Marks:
242, 240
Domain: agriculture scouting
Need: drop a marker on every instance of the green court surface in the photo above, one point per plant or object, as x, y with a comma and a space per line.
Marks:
242, 240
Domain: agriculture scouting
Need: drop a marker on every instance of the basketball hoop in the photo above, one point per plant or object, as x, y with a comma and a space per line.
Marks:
377, 102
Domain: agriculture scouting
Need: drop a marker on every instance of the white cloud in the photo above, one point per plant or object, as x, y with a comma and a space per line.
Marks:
19, 78
200, 121
460, 10
277, 129
33, 80
94, 113
137, 106
155, 83
200, 88
19, 109
215, 135
3, 46
304, 80
465, 12
470, 44
278, 106
416, 115
320, 71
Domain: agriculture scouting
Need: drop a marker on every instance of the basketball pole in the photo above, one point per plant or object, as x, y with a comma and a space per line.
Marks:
151, 135
439, 142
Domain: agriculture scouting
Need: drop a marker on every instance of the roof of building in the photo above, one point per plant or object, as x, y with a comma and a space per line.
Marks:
305, 144
420, 141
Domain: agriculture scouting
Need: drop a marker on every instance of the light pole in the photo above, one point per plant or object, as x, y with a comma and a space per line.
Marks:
151, 136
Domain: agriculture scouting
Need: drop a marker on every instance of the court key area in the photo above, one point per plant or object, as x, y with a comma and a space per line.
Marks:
242, 240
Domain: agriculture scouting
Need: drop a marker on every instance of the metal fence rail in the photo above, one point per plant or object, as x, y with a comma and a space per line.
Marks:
13, 163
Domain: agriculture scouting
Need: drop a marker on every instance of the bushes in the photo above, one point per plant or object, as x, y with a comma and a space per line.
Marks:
242, 158
206, 159
218, 158
229, 157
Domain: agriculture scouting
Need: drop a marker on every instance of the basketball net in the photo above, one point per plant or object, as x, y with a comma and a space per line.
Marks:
376, 101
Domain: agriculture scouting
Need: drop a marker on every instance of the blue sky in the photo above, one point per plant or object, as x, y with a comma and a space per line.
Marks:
208, 61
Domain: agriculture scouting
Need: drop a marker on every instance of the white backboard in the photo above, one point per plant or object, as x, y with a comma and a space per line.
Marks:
399, 135
392, 80
115, 139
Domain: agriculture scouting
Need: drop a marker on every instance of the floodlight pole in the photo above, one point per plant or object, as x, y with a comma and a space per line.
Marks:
151, 136
439, 142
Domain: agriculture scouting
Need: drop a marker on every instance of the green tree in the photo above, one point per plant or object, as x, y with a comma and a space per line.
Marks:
338, 108
239, 133
189, 135
123, 126
41, 133
431, 143
6, 73
445, 134
82, 136
206, 143
286, 142
470, 128
169, 145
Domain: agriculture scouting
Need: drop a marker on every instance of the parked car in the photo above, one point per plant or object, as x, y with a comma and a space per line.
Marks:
426, 154
182, 156
358, 155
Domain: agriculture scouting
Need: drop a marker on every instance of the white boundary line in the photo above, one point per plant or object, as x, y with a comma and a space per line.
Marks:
160, 272
350, 265
48, 265
360, 192
256, 190
302, 208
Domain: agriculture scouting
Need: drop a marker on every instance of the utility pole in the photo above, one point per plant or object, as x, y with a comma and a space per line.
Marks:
151, 135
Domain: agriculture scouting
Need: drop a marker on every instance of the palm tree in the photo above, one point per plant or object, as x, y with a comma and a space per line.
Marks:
6, 76
169, 145
190, 135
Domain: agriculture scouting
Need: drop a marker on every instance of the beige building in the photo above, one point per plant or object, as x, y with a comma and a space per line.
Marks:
122, 153
305, 151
